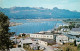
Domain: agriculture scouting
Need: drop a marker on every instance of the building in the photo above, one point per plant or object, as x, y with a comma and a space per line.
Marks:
78, 41
40, 42
45, 35
17, 49
77, 30
65, 30
60, 39
64, 25
71, 38
25, 42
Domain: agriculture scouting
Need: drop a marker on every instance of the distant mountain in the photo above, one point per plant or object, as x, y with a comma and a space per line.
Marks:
38, 12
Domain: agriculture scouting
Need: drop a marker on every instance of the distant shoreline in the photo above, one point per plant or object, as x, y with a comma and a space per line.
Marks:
14, 24
40, 19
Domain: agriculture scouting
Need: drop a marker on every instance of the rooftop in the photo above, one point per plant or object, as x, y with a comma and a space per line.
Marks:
74, 33
26, 41
17, 49
76, 29
48, 40
45, 33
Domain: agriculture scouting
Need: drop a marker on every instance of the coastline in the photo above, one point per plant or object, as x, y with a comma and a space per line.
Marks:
14, 24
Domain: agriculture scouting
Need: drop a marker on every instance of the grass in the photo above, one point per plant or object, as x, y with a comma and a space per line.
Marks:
70, 47
31, 49
78, 49
28, 48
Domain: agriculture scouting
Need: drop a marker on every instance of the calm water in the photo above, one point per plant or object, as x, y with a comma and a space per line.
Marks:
30, 26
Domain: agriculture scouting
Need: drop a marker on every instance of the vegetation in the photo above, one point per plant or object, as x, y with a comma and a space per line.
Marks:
78, 47
69, 47
73, 23
28, 48
5, 42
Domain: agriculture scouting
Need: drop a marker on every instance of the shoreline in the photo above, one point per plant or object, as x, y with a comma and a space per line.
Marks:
39, 19
14, 24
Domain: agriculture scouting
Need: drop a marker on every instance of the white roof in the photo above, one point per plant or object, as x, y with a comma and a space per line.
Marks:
74, 33
41, 31
17, 49
12, 37
26, 41
61, 36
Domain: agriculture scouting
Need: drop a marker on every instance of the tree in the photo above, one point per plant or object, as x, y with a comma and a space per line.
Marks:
75, 43
5, 35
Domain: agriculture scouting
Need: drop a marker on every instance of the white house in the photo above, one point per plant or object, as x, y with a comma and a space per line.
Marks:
41, 36
60, 39
46, 35
40, 42
26, 41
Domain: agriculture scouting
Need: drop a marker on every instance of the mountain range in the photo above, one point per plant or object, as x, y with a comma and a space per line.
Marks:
38, 13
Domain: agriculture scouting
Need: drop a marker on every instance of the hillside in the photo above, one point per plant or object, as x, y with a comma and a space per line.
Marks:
35, 13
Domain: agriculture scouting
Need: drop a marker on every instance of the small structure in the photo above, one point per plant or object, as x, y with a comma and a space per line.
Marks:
60, 39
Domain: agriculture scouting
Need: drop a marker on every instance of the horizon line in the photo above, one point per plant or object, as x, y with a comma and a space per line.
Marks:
41, 7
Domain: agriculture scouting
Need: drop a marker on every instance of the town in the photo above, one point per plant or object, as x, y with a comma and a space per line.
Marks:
39, 25
65, 37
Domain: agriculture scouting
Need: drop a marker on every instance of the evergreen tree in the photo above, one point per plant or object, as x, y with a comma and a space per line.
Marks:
5, 35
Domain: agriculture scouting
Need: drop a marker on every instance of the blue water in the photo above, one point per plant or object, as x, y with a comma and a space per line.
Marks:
33, 26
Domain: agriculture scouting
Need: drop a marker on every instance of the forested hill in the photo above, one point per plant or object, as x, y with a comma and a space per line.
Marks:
38, 12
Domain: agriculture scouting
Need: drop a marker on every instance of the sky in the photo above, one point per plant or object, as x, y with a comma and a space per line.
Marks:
73, 5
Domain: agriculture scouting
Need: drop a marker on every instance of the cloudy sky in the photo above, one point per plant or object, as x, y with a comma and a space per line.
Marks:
62, 4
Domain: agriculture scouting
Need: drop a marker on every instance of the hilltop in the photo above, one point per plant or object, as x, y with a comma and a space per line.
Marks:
38, 13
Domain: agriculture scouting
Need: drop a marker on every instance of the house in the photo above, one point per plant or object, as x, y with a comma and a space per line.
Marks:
25, 42
22, 34
34, 46
77, 30
78, 41
39, 45
71, 38
74, 33
65, 29
40, 42
60, 39
45, 35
